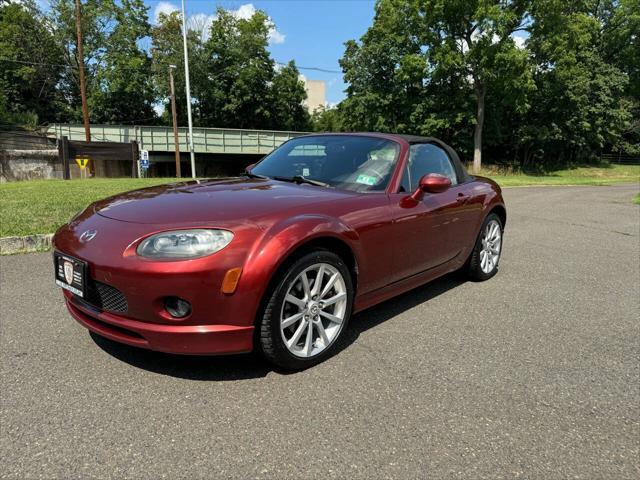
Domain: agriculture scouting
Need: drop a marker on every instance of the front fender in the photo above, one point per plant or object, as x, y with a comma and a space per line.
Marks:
285, 237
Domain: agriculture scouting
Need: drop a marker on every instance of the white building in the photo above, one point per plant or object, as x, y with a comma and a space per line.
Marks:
316, 93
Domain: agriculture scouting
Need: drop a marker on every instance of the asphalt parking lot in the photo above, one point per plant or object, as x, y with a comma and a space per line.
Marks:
534, 374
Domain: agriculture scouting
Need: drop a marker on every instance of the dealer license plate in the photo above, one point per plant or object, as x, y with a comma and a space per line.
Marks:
70, 273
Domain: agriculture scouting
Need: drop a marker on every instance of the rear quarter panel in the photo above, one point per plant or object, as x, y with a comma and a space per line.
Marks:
488, 194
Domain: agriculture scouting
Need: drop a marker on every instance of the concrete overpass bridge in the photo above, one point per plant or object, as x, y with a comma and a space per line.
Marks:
160, 139
219, 151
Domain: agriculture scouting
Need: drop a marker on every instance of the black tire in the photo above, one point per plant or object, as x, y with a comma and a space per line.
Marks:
269, 336
474, 269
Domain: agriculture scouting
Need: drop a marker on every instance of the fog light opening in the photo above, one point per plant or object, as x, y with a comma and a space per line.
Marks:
177, 307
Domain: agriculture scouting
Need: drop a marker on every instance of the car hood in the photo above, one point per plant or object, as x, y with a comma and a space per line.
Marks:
221, 201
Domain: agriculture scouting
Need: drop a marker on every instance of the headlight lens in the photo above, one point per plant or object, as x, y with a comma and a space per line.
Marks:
184, 244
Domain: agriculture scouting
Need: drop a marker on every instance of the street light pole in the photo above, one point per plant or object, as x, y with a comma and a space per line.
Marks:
186, 75
174, 117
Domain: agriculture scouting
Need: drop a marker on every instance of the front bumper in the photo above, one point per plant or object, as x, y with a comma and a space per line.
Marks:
181, 339
219, 323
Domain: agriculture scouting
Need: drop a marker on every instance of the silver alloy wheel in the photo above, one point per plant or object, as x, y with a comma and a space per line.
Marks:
491, 246
313, 310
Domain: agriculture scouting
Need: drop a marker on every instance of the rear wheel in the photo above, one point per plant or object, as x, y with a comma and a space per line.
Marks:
307, 311
485, 257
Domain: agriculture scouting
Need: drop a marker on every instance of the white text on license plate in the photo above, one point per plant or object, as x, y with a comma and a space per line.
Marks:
66, 286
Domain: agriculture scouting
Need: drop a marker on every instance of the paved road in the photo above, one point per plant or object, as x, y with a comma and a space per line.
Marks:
534, 374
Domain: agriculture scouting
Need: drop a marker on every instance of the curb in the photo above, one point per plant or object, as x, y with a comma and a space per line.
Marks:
39, 242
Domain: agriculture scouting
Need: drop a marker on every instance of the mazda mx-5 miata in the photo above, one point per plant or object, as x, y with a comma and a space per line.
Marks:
279, 258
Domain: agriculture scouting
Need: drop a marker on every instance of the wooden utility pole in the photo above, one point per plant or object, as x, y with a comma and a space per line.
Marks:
174, 117
83, 89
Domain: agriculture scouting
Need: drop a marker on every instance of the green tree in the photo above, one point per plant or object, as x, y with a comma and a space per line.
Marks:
96, 21
384, 71
621, 48
420, 64
233, 79
124, 90
29, 66
476, 37
237, 71
326, 119
287, 96
580, 105
167, 51
119, 87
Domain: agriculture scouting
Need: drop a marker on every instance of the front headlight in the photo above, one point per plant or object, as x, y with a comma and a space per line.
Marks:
182, 244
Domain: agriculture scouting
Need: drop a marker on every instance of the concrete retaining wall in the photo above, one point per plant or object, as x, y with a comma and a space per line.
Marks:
27, 156
29, 165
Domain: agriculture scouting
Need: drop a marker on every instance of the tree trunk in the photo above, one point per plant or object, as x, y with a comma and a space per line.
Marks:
526, 156
481, 92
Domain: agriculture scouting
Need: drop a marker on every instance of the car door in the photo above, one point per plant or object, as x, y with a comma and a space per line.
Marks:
427, 234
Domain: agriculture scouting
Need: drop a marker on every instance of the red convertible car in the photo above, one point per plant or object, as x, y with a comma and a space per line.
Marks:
281, 257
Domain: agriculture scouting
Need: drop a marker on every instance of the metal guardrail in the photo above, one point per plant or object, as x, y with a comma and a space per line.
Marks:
160, 139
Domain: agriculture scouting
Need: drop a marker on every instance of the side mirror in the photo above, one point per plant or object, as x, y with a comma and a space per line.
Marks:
430, 183
249, 167
434, 183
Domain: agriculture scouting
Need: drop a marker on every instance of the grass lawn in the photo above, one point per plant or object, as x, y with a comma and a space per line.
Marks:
575, 176
636, 199
41, 206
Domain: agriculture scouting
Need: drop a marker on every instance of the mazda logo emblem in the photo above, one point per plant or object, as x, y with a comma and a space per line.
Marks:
88, 235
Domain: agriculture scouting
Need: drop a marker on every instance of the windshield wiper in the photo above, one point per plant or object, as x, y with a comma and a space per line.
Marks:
300, 179
253, 175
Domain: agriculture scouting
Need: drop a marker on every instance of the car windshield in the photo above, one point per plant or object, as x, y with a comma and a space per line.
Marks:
350, 162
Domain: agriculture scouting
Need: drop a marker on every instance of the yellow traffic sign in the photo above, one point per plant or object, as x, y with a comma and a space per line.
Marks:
82, 162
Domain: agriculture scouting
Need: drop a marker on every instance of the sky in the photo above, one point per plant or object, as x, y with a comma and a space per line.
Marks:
311, 32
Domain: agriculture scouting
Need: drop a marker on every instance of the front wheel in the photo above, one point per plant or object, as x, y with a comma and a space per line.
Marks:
485, 257
307, 311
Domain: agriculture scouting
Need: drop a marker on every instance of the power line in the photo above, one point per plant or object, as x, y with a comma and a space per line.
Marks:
72, 67
317, 69
24, 62
34, 63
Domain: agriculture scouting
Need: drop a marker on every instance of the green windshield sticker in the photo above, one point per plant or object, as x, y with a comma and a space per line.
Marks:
366, 180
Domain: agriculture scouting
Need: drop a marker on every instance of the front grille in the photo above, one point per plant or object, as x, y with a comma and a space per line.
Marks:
106, 297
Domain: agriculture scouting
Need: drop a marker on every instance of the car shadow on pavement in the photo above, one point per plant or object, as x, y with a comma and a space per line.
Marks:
248, 366
374, 316
191, 367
